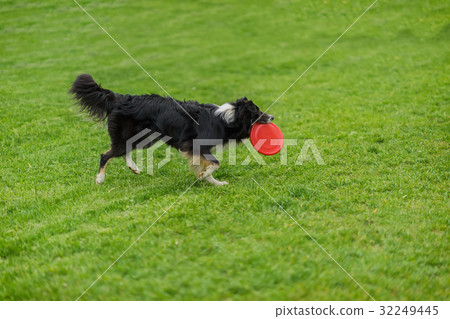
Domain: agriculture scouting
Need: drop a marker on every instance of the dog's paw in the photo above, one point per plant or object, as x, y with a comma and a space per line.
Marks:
135, 170
221, 183
100, 178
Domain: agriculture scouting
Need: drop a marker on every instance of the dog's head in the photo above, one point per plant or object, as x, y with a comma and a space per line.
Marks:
246, 111
241, 115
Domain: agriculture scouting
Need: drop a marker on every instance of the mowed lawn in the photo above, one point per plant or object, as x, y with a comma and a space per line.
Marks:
376, 105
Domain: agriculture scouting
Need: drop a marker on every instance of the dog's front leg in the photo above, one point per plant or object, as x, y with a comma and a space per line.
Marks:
207, 175
210, 164
203, 167
213, 181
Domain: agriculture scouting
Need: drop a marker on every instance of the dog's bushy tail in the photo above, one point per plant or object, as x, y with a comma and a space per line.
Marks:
92, 98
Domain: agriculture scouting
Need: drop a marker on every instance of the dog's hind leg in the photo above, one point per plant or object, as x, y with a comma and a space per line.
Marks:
104, 159
131, 164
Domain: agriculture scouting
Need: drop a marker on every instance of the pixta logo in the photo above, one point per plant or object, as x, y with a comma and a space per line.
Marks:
151, 141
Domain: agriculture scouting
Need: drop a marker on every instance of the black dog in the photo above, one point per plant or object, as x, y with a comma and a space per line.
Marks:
182, 121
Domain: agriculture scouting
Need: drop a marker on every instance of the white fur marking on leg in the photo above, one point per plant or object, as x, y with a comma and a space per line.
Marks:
131, 164
208, 171
100, 178
213, 181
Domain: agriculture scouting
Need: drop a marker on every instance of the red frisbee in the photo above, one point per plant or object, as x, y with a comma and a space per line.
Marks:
267, 139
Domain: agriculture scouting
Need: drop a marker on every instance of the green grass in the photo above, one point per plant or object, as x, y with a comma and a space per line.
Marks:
376, 105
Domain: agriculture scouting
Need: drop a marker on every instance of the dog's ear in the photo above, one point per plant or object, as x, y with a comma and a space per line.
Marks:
241, 101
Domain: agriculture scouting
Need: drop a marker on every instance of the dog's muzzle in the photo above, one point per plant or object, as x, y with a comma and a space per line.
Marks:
265, 118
